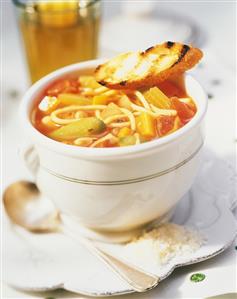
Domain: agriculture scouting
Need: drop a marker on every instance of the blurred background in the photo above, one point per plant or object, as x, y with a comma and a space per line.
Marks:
123, 26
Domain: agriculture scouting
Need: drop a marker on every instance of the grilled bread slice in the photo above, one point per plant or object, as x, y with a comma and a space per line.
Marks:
136, 70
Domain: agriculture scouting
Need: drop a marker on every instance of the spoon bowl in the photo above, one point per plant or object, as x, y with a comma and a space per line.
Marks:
27, 208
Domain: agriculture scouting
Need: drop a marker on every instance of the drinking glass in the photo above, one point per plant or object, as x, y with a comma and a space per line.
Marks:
58, 33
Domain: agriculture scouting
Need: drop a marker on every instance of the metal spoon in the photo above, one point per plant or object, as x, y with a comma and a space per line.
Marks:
27, 208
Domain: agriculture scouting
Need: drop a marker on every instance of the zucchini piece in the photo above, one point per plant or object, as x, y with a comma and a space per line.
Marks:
127, 140
84, 127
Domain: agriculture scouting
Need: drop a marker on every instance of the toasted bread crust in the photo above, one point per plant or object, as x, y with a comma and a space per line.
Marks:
148, 68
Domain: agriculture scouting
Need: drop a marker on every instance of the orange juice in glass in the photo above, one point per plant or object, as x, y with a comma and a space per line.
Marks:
58, 33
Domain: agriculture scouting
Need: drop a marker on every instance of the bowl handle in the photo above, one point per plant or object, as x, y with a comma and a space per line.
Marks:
29, 155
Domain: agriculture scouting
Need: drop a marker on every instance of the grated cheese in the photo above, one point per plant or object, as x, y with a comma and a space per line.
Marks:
162, 244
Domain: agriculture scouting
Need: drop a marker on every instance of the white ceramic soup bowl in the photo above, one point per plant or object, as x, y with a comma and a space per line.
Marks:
116, 189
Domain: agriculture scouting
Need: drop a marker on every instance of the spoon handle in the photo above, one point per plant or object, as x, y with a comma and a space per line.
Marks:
139, 280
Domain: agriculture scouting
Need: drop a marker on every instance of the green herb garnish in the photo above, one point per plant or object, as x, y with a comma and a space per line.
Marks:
197, 277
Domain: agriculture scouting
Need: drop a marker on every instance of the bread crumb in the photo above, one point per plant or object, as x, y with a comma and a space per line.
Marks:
162, 244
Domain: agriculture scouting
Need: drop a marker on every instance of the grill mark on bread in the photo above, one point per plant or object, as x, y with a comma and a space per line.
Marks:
169, 44
122, 83
183, 52
98, 67
148, 49
102, 82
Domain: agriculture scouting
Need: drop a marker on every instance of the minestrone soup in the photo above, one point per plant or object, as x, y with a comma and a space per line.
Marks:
81, 112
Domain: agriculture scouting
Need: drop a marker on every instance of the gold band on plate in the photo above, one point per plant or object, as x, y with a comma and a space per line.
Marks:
124, 182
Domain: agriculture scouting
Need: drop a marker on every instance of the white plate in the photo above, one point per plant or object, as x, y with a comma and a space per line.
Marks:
51, 261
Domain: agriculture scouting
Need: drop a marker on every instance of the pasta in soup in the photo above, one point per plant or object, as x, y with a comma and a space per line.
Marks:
81, 112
